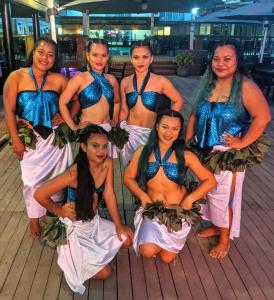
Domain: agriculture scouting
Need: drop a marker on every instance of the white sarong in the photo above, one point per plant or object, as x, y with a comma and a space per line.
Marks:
39, 165
90, 247
112, 149
219, 200
138, 136
150, 231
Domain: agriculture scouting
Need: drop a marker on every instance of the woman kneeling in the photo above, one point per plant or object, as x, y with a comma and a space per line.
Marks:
92, 242
157, 173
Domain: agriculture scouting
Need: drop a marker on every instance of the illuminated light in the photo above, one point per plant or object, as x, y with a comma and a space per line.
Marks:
167, 30
194, 10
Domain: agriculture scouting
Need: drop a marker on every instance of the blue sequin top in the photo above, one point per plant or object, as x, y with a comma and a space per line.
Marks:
149, 99
93, 92
214, 118
170, 169
71, 192
39, 106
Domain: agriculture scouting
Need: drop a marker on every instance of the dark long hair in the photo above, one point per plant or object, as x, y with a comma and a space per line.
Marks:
85, 181
139, 44
208, 81
55, 67
152, 143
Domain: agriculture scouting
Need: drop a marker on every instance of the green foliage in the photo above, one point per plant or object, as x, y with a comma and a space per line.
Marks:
63, 135
184, 59
118, 136
54, 231
25, 134
172, 216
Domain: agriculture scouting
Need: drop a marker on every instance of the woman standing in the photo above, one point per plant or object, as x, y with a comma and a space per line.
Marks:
140, 96
227, 101
96, 91
155, 173
32, 95
92, 242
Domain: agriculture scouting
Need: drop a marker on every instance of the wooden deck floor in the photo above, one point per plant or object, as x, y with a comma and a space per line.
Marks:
28, 269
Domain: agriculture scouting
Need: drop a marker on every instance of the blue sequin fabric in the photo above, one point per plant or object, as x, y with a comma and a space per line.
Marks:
71, 192
170, 169
149, 99
93, 92
214, 118
39, 106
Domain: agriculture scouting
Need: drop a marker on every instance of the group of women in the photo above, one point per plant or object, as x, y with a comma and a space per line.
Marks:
226, 118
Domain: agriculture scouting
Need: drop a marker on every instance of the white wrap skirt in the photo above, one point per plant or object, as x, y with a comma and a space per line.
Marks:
138, 136
39, 165
150, 231
220, 199
91, 245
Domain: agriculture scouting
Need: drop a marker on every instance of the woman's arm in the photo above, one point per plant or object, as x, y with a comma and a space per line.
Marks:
257, 106
113, 81
172, 93
111, 202
207, 180
10, 91
49, 188
124, 111
69, 93
130, 176
190, 128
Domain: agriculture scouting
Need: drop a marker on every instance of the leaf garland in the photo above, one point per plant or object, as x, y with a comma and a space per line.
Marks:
63, 136
25, 134
118, 136
54, 231
172, 216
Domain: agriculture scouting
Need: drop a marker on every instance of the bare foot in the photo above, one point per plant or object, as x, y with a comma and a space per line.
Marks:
209, 232
220, 251
34, 228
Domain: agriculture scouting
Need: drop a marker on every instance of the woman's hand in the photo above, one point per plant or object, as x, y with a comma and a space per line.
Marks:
19, 149
57, 120
68, 211
186, 204
113, 122
231, 141
145, 199
124, 230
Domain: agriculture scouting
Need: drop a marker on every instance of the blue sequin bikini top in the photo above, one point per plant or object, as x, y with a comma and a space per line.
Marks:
149, 99
71, 192
214, 118
38, 107
93, 92
170, 169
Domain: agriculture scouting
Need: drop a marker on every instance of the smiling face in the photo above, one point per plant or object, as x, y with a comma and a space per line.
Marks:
44, 56
97, 57
141, 58
96, 147
224, 62
168, 129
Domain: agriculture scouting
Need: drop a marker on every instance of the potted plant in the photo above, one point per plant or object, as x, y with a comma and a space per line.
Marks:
183, 59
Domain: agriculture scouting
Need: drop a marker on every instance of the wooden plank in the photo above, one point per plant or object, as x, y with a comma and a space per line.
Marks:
54, 280
192, 276
152, 279
218, 273
17, 268
123, 275
118, 183
85, 295
179, 280
110, 286
247, 277
41, 275
96, 290
206, 278
65, 292
11, 251
26, 280
165, 279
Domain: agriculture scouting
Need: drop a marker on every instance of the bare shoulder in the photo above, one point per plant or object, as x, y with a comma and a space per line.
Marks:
108, 163
190, 157
249, 84
111, 79
58, 76
126, 80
